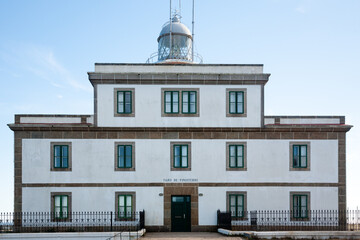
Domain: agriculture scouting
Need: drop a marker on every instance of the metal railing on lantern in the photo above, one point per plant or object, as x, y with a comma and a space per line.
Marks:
154, 58
71, 222
288, 220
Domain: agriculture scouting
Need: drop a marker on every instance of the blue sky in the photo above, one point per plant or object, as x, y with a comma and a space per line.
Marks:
311, 49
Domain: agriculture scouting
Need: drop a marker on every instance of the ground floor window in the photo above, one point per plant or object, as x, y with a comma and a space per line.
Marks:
61, 206
236, 204
125, 205
300, 205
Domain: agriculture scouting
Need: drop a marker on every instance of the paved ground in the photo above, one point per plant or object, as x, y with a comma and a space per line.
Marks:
187, 236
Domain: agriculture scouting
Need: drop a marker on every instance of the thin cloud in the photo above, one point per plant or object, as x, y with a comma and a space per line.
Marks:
50, 66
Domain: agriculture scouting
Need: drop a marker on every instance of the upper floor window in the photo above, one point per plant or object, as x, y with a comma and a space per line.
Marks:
61, 206
189, 102
299, 156
300, 205
124, 102
180, 102
236, 204
180, 156
236, 102
171, 102
236, 156
124, 156
60, 156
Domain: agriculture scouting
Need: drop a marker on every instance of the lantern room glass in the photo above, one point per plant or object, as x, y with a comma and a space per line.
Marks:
180, 47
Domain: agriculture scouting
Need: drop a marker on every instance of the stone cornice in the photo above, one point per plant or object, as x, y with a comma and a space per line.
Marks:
178, 79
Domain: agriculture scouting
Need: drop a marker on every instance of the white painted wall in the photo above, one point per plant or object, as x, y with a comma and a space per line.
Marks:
93, 162
98, 199
309, 120
148, 199
263, 198
35, 119
148, 107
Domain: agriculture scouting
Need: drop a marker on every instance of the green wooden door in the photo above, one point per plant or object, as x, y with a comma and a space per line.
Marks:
180, 214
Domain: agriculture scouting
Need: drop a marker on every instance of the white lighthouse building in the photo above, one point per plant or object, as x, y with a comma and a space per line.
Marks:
179, 139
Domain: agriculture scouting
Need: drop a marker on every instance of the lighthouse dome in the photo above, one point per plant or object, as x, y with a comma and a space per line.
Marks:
180, 49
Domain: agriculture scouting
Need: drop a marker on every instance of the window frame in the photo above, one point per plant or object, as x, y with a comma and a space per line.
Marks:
124, 102
171, 102
180, 155
228, 205
291, 156
189, 103
181, 113
53, 168
132, 103
236, 114
133, 206
292, 206
228, 167
53, 195
116, 154
172, 156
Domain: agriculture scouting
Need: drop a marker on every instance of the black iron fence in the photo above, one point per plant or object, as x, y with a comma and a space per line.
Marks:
72, 222
285, 220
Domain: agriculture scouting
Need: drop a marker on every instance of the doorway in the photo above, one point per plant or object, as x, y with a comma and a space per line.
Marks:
181, 213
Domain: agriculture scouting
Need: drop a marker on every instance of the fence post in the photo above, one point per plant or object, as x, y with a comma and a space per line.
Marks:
111, 221
142, 219
253, 220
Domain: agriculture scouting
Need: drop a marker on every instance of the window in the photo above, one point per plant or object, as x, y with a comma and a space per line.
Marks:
171, 102
299, 156
61, 206
125, 205
180, 156
236, 204
60, 156
124, 156
180, 102
236, 102
300, 205
124, 102
188, 102
236, 156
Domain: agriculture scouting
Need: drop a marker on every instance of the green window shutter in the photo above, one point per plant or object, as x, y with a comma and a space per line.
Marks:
236, 204
236, 156
300, 156
300, 206
171, 103
124, 102
236, 102
124, 156
180, 154
189, 100
61, 156
125, 206
61, 208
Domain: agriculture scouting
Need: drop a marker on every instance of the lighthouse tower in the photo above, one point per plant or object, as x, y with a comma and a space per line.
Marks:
175, 43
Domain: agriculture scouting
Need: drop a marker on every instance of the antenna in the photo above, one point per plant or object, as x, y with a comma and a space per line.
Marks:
170, 31
180, 9
193, 23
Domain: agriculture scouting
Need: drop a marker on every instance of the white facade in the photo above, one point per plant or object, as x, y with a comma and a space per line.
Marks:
266, 180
